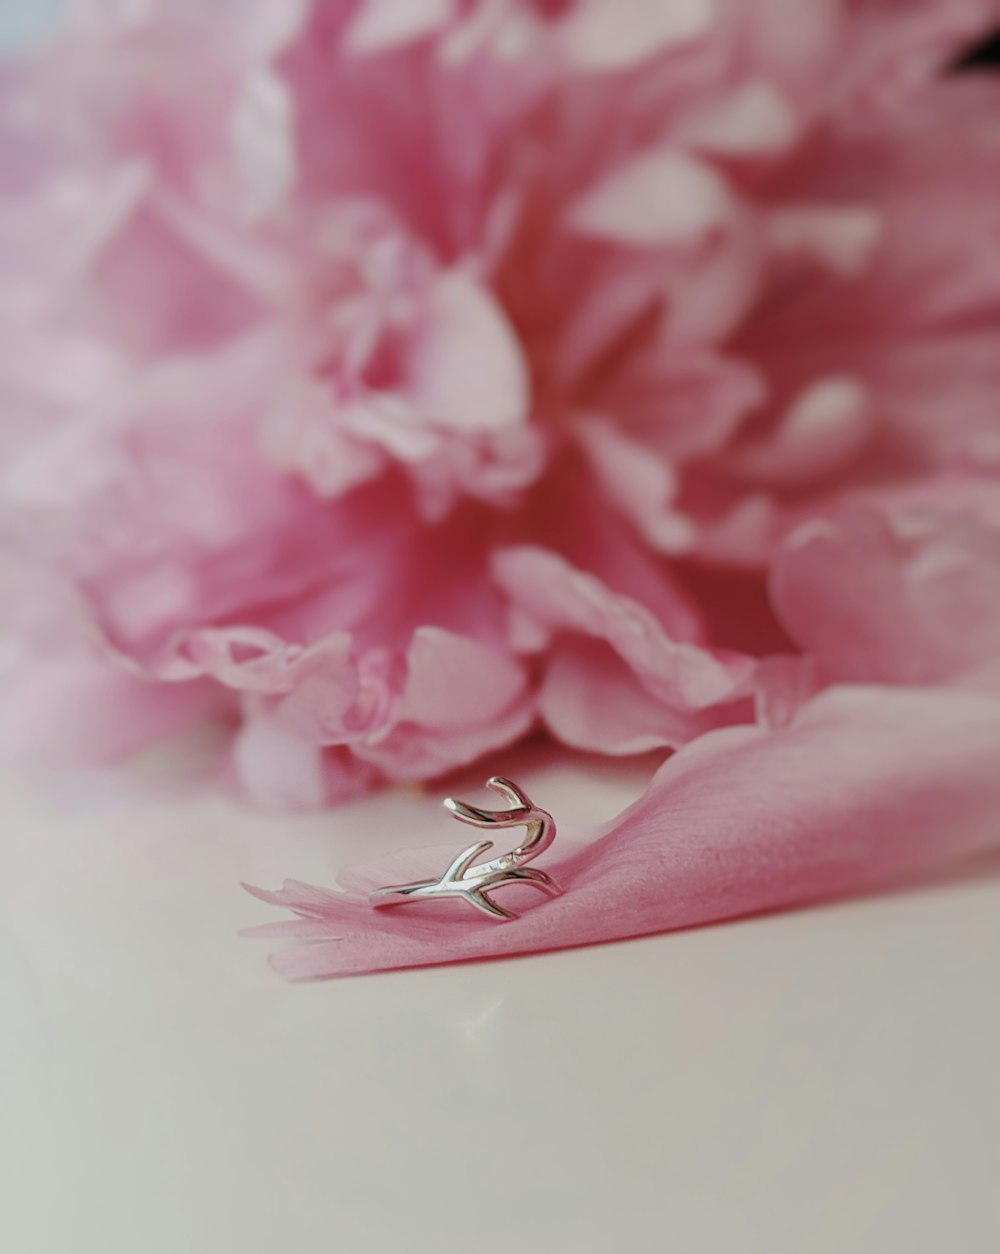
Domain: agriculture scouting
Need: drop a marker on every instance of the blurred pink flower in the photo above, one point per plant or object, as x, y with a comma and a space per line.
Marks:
386, 378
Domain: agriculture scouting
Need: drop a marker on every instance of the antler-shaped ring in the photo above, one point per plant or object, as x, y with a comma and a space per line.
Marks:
471, 882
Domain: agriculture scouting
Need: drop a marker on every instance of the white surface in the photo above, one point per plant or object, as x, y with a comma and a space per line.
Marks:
817, 1082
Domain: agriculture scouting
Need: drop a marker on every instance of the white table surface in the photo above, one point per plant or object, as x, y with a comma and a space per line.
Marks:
812, 1082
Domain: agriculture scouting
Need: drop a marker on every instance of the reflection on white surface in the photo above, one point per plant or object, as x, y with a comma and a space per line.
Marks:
810, 1083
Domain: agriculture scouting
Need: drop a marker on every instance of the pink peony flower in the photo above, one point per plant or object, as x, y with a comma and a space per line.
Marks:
386, 379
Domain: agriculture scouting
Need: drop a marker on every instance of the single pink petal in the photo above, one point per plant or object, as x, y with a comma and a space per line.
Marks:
659, 197
840, 237
561, 599
867, 787
382, 24
454, 681
591, 699
277, 769
908, 597
264, 142
459, 700
754, 118
823, 430
682, 406
602, 36
280, 770
467, 371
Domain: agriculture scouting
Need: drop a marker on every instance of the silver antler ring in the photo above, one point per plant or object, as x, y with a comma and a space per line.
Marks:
472, 883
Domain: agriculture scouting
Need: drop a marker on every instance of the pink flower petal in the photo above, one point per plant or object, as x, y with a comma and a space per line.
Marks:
591, 699
868, 786
823, 431
382, 24
458, 701
754, 118
602, 37
468, 373
277, 769
563, 600
280, 770
912, 597
659, 197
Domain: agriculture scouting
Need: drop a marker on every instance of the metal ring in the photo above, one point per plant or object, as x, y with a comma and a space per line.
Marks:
470, 881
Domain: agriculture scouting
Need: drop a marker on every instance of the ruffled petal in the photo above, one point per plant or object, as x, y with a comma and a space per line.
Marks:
657, 198
908, 596
458, 701
563, 600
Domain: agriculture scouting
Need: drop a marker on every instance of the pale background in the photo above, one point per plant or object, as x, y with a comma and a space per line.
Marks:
819, 1082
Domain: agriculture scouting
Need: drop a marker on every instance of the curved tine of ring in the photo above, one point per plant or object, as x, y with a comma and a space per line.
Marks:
538, 878
490, 907
509, 790
478, 817
471, 814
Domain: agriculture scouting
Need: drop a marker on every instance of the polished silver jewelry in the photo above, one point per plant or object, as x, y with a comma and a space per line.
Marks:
472, 883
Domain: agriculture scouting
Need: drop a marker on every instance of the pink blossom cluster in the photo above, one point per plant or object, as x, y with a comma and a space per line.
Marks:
383, 380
